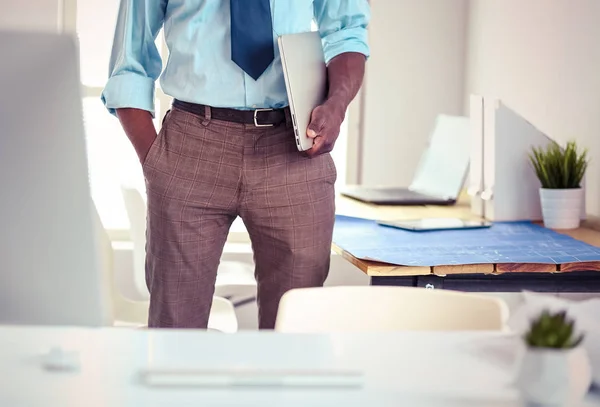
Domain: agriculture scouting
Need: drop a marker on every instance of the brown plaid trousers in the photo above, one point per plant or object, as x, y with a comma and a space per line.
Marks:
200, 175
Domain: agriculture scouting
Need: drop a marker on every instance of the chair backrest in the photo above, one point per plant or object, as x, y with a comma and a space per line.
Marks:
373, 309
135, 206
222, 316
105, 260
124, 310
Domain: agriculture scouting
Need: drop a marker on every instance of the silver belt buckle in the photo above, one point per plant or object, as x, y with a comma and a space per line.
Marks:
255, 119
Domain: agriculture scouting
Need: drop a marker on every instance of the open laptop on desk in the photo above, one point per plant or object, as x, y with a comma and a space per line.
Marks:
440, 175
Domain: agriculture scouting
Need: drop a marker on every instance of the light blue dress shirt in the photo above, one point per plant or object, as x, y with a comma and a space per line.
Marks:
199, 68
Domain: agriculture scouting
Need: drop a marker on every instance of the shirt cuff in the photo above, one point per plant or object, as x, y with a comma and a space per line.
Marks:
129, 90
347, 40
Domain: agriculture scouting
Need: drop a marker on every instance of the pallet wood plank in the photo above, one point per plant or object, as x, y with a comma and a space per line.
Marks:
464, 269
526, 268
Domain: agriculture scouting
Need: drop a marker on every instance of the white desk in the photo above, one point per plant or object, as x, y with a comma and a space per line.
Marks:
449, 369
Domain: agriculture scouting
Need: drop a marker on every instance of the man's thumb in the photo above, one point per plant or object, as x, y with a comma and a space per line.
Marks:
315, 126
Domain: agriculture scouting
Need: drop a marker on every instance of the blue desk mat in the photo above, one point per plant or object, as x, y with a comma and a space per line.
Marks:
504, 242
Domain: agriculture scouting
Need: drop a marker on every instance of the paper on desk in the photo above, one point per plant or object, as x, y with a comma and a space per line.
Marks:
504, 242
585, 313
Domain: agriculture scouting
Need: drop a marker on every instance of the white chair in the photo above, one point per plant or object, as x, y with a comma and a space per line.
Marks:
372, 309
222, 316
136, 213
234, 279
124, 310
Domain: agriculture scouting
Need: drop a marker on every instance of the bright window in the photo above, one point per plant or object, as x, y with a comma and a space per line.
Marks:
112, 159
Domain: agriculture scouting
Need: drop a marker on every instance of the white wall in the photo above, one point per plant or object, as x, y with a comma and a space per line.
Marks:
543, 59
38, 15
415, 73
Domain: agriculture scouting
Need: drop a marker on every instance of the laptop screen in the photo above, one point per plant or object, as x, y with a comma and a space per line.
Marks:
444, 164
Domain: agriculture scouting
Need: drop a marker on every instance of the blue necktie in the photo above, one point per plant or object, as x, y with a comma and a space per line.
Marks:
252, 46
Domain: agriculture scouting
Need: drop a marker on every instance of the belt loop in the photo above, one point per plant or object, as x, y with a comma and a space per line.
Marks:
288, 117
207, 115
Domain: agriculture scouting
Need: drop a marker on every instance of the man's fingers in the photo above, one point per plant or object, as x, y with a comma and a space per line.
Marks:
322, 131
317, 123
321, 145
316, 148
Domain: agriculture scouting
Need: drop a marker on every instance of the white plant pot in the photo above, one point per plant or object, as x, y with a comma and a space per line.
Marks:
561, 208
554, 376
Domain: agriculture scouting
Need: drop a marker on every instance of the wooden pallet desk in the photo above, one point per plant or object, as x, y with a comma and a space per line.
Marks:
485, 277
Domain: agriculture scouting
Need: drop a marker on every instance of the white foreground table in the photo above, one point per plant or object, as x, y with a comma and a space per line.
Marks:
416, 369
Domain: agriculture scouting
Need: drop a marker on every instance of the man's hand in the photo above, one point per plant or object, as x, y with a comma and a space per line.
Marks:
324, 127
345, 73
139, 128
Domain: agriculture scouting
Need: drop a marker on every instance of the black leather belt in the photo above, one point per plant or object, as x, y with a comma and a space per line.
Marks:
257, 117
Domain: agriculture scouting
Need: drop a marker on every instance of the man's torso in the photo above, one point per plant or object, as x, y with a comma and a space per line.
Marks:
199, 68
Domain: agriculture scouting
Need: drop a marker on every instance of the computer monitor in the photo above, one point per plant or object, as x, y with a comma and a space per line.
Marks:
49, 260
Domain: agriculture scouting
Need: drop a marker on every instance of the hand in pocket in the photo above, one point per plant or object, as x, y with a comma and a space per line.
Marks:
139, 127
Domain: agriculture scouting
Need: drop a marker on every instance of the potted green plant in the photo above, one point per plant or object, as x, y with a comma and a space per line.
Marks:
555, 368
560, 171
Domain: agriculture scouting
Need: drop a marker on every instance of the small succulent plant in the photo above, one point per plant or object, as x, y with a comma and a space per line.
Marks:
559, 168
554, 331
